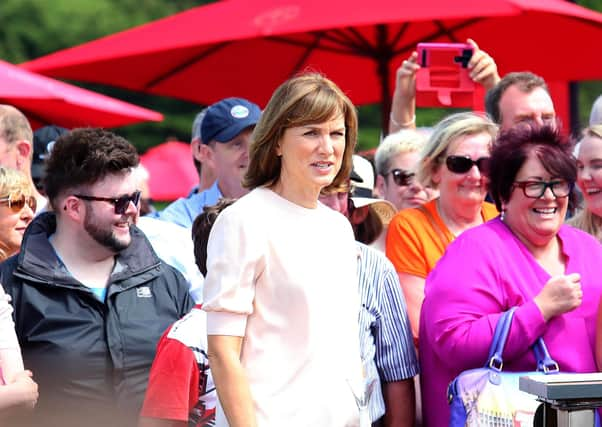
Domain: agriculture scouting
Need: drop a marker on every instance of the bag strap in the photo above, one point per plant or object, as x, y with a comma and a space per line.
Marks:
545, 363
502, 329
429, 216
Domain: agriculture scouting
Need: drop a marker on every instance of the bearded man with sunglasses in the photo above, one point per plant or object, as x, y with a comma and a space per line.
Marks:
91, 298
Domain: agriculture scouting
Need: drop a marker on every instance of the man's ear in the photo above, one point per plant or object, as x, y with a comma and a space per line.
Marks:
359, 215
24, 153
379, 186
72, 207
195, 149
205, 153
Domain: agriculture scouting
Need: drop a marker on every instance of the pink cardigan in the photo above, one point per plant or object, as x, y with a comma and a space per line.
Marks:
484, 272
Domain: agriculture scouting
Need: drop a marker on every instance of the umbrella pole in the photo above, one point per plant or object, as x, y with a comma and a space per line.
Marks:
385, 103
383, 59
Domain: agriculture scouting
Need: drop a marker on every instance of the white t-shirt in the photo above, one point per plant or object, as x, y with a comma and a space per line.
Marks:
284, 277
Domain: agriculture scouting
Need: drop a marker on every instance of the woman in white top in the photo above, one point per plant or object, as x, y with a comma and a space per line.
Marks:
281, 290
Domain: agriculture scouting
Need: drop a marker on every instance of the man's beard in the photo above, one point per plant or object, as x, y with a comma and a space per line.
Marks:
102, 235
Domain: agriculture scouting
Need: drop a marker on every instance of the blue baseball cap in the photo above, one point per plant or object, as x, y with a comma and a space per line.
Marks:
225, 119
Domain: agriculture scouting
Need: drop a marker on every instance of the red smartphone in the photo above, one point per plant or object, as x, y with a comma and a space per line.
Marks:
443, 79
444, 54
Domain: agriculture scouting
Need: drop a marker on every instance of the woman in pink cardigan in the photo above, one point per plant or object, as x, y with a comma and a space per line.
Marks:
526, 258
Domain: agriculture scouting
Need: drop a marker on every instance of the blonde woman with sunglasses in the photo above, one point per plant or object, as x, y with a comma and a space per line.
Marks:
17, 207
455, 162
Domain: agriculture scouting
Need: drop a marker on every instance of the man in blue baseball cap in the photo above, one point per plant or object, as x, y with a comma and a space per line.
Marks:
225, 135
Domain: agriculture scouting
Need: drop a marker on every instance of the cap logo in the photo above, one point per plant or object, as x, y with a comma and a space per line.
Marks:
239, 112
49, 148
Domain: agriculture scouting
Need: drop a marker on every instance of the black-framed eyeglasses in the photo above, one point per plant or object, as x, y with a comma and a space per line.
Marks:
121, 204
462, 164
17, 204
536, 189
401, 177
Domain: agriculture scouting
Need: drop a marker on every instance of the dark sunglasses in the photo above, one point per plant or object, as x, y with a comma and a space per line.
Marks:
401, 177
121, 204
462, 164
16, 205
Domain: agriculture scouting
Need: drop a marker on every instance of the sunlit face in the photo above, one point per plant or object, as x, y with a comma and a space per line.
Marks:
101, 223
337, 201
589, 173
517, 106
311, 155
469, 187
230, 160
534, 221
404, 196
12, 226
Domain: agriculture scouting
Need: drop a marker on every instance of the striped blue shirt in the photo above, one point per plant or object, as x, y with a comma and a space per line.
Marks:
386, 342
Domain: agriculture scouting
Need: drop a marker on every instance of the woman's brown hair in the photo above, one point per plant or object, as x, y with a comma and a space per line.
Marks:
306, 99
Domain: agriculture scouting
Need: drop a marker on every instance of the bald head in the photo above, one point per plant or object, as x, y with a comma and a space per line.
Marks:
14, 126
16, 136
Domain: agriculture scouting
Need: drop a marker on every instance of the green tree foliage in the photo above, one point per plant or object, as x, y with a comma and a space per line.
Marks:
32, 28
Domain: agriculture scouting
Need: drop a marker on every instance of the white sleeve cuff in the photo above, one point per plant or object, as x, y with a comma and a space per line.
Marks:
226, 323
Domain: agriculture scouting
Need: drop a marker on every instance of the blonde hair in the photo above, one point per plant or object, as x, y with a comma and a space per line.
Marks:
585, 219
445, 132
306, 99
403, 141
12, 183
593, 131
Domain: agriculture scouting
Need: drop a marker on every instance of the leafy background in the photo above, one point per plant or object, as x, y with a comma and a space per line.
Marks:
32, 28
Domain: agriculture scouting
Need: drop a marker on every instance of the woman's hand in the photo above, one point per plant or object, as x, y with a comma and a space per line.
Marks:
559, 295
21, 391
26, 389
403, 105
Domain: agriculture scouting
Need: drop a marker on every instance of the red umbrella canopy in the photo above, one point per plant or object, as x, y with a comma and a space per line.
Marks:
172, 172
47, 101
243, 48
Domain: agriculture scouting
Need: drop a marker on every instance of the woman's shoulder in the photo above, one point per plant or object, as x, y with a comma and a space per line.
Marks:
244, 211
489, 233
253, 202
576, 239
415, 217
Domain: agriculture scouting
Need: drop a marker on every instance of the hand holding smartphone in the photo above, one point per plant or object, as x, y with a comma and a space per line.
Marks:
444, 77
